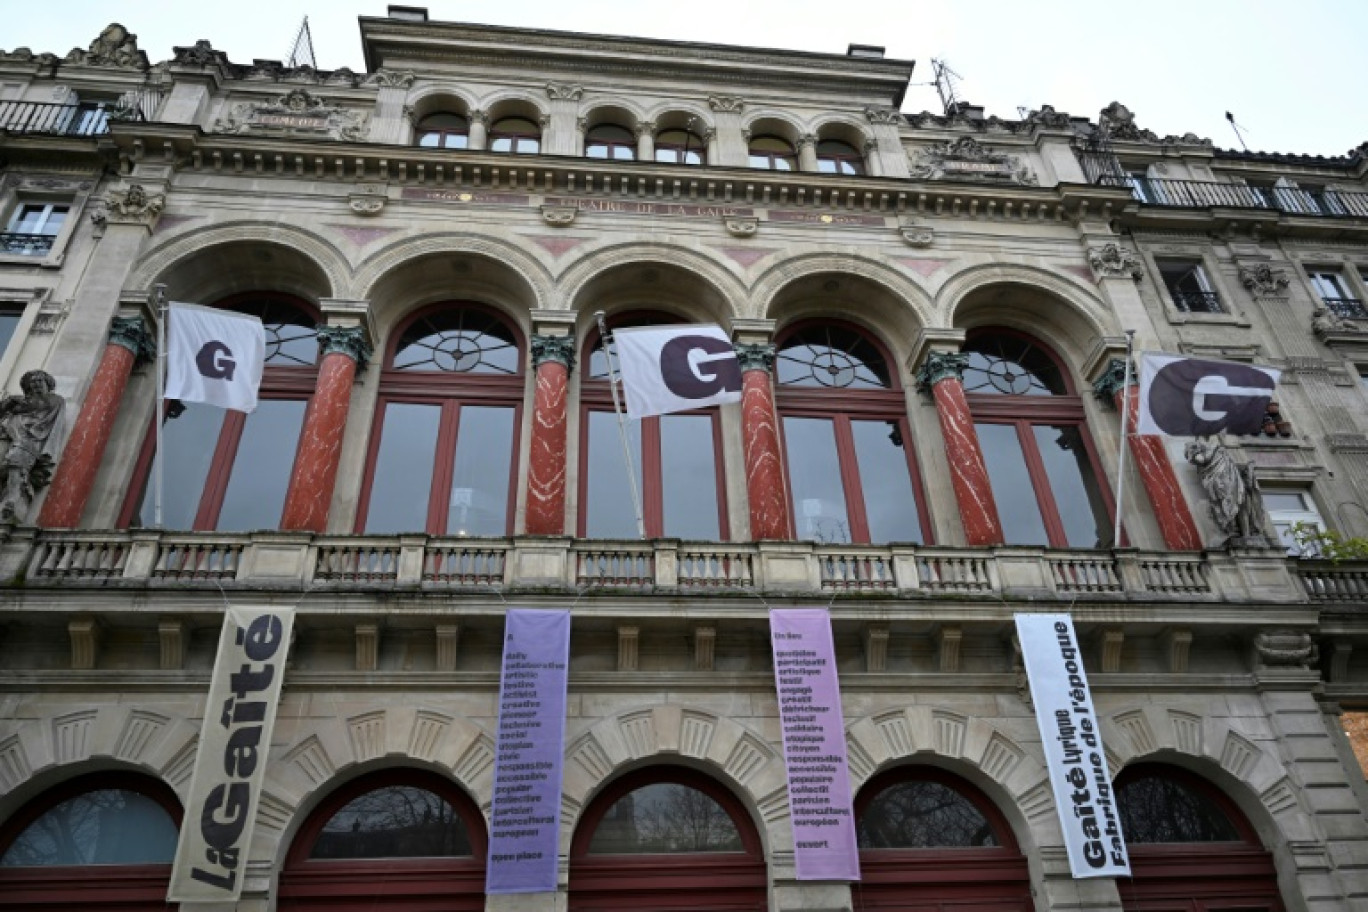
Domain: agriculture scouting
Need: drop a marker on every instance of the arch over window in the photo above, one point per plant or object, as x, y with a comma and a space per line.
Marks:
852, 474
929, 839
402, 837
103, 840
663, 832
680, 147
1045, 474
515, 134
443, 130
773, 153
836, 157
227, 470
684, 447
1190, 847
609, 140
445, 435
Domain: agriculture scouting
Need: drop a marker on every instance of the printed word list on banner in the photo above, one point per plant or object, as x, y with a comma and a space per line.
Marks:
1073, 746
230, 762
814, 745
525, 817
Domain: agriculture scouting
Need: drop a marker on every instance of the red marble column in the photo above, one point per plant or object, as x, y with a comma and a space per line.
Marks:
769, 506
941, 372
309, 496
74, 477
552, 357
1161, 483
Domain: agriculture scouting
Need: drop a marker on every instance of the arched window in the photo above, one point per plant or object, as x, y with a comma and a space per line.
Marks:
773, 153
103, 840
662, 833
446, 427
680, 147
610, 141
1190, 848
1044, 471
515, 134
444, 130
226, 470
852, 474
836, 157
677, 458
403, 840
930, 840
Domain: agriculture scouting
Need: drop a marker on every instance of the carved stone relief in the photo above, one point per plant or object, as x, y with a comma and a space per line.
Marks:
564, 91
115, 46
559, 216
1263, 279
296, 113
742, 227
730, 103
967, 159
1115, 260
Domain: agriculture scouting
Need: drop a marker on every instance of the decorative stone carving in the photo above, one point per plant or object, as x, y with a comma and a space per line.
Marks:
1111, 260
883, 116
560, 349
1325, 322
729, 103
476, 116
202, 54
134, 204
1263, 279
115, 46
1285, 649
367, 203
99, 220
564, 91
1048, 117
390, 79
940, 366
1232, 492
807, 139
30, 426
967, 159
644, 128
742, 227
131, 333
559, 216
1113, 378
755, 357
918, 235
297, 113
346, 340
1117, 122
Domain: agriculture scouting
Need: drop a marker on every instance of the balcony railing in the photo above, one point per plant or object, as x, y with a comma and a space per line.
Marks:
1348, 308
37, 245
87, 118
1206, 194
1207, 302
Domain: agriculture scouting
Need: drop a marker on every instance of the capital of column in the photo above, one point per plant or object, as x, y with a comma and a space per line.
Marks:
757, 357
645, 128
1113, 378
477, 116
132, 333
806, 140
939, 366
560, 349
345, 340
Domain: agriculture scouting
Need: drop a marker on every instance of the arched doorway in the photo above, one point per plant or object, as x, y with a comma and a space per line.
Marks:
402, 840
667, 839
100, 841
931, 842
1191, 850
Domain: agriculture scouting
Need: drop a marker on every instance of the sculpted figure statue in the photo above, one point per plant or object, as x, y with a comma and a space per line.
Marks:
1232, 494
29, 426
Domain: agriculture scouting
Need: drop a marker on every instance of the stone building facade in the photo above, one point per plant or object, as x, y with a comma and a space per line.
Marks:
931, 313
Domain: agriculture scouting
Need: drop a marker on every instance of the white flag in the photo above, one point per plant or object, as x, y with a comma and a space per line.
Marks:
1191, 397
214, 356
676, 368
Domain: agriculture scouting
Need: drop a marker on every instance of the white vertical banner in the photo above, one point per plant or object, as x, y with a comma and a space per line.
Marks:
1073, 746
230, 760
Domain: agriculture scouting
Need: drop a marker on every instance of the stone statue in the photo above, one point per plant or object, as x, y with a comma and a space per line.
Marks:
1325, 321
29, 426
1232, 493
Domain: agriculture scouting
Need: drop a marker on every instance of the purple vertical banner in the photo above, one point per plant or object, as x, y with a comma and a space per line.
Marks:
525, 817
814, 745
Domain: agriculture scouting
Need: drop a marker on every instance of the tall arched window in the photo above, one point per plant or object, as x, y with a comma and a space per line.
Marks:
661, 834
515, 134
851, 472
678, 461
836, 157
446, 428
773, 153
103, 840
680, 147
1190, 848
403, 840
610, 141
226, 470
444, 130
1044, 471
930, 840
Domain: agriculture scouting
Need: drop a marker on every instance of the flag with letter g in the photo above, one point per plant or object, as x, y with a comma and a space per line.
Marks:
676, 368
214, 356
1190, 397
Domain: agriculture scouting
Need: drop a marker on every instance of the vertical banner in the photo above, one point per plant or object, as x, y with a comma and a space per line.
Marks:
814, 745
1073, 746
525, 817
230, 761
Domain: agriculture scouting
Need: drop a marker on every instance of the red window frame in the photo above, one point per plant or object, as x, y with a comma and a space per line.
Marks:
450, 391
278, 382
609, 146
520, 142
839, 159
772, 156
841, 406
442, 134
685, 153
736, 881
395, 884
78, 888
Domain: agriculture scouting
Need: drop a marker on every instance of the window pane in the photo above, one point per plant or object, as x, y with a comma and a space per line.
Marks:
1008, 365
923, 815
1074, 486
9, 322
889, 499
609, 512
665, 817
261, 469
397, 821
460, 340
480, 475
1158, 809
815, 477
402, 477
688, 468
188, 443
106, 826
1022, 523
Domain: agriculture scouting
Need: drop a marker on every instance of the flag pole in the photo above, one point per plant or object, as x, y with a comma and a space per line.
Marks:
159, 410
1125, 433
622, 424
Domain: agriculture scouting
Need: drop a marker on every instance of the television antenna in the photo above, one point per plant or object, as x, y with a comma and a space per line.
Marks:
302, 49
945, 84
1236, 127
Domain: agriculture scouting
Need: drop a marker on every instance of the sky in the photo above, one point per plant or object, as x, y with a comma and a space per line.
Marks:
1290, 73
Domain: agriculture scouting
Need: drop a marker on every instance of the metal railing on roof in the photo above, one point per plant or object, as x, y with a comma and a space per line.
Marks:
1155, 191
